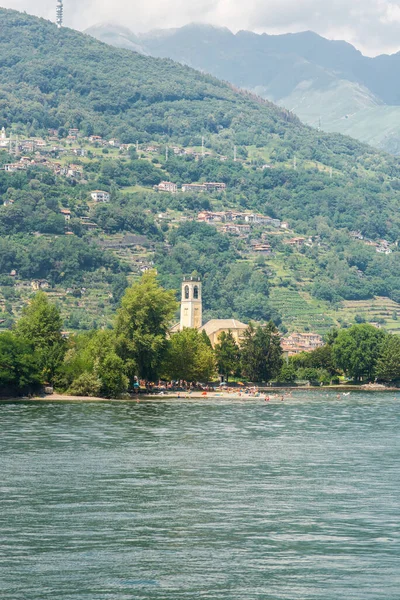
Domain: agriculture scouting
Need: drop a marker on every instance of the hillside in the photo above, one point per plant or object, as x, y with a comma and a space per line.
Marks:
323, 82
301, 224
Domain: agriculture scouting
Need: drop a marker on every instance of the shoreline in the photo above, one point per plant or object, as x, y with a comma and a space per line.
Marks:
274, 393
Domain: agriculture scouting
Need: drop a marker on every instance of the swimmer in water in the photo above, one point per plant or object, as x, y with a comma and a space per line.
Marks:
266, 398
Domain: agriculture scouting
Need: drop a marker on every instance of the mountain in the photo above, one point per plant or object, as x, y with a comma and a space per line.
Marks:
326, 83
85, 116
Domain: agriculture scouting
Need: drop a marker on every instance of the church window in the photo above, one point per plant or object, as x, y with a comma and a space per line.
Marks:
186, 292
196, 292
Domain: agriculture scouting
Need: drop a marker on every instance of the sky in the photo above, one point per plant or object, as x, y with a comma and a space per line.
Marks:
373, 26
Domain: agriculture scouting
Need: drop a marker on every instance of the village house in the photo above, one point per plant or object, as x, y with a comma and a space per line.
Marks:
257, 219
203, 187
167, 186
262, 248
87, 223
296, 343
13, 167
79, 151
193, 187
74, 171
236, 229
100, 196
40, 284
215, 186
95, 139
297, 242
66, 213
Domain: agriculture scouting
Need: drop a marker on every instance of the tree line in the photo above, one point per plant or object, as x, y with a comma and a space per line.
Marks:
139, 347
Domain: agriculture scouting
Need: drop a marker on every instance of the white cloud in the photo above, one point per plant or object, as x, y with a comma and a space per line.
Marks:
371, 25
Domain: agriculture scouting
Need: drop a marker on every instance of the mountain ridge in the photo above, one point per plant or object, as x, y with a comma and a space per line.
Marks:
279, 67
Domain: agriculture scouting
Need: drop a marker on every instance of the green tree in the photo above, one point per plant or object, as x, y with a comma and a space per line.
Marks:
388, 365
95, 354
261, 352
142, 325
19, 369
287, 374
40, 326
227, 355
356, 350
189, 357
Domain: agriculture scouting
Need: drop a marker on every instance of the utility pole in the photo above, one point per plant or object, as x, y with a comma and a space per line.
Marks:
234, 154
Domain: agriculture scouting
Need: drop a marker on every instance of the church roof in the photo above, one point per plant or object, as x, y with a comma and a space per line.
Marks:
217, 324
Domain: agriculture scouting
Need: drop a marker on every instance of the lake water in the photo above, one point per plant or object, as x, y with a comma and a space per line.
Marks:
297, 500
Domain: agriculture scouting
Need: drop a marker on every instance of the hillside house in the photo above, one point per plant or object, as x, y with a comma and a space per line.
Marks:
296, 242
40, 284
234, 229
13, 167
167, 186
95, 139
193, 187
215, 186
66, 213
100, 196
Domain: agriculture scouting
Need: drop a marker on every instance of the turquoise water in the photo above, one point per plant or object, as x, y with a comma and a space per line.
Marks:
296, 500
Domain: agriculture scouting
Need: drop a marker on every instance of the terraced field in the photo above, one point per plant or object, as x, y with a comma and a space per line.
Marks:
380, 310
299, 312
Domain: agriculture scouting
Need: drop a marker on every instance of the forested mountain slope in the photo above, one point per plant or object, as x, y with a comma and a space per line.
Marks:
322, 81
86, 116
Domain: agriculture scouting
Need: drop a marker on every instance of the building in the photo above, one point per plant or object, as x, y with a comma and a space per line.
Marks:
193, 187
95, 139
301, 342
192, 315
167, 186
66, 213
100, 196
215, 327
212, 186
13, 167
191, 304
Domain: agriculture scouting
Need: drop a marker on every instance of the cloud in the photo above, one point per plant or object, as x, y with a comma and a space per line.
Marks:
371, 25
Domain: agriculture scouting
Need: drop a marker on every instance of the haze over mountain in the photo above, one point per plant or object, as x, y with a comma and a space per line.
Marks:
326, 83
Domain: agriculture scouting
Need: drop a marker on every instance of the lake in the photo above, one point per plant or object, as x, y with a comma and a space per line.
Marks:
294, 500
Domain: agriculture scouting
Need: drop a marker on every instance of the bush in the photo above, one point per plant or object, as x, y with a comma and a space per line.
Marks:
87, 384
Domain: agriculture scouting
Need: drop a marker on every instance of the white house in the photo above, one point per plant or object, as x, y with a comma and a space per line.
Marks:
100, 196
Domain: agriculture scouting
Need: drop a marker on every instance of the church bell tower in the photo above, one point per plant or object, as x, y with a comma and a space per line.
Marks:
191, 304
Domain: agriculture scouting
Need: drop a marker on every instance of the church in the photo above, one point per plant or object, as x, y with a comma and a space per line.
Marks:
192, 314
